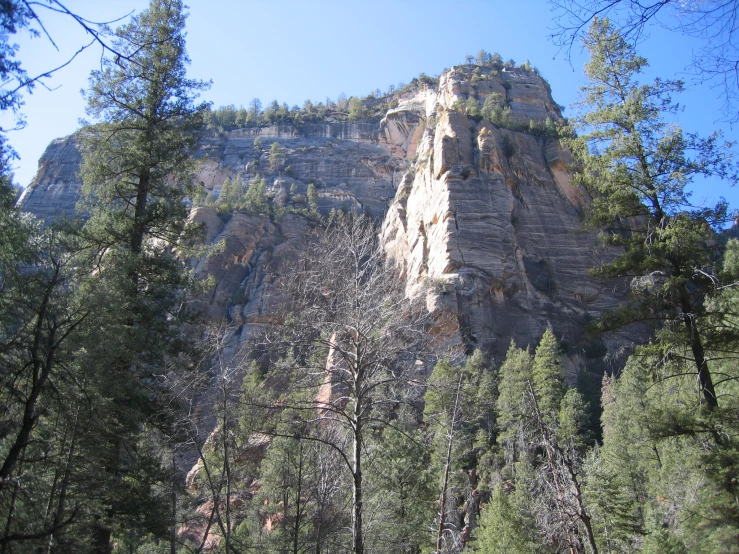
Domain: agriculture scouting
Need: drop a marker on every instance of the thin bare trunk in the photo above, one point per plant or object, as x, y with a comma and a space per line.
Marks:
556, 458
298, 506
696, 346
173, 539
357, 537
447, 468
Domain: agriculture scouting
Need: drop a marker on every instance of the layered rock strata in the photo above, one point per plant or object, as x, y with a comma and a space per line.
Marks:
487, 220
481, 218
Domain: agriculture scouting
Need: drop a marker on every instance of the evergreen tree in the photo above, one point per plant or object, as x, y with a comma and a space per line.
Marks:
502, 530
482, 57
242, 117
276, 156
312, 196
254, 111
357, 109
288, 479
496, 110
227, 195
637, 167
402, 487
572, 422
137, 160
137, 176
543, 453
511, 406
255, 199
547, 374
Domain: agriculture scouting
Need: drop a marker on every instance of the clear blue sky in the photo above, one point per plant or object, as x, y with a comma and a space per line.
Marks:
297, 50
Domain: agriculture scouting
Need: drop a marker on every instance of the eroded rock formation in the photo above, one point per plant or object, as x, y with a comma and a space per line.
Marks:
480, 217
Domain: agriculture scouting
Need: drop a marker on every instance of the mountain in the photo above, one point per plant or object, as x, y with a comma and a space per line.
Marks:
468, 178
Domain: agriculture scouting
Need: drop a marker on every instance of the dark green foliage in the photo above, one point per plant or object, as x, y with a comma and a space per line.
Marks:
497, 111
515, 375
542, 435
657, 461
312, 197
404, 488
652, 486
547, 375
237, 195
459, 403
137, 176
636, 165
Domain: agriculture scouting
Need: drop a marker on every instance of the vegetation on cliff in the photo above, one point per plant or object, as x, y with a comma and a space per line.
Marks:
370, 108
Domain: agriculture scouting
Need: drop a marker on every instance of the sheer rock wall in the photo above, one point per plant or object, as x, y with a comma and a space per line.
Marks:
481, 219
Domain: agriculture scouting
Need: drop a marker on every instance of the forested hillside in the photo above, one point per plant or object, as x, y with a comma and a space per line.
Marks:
439, 319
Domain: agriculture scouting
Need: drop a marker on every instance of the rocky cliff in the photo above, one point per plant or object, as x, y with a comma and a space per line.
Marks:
480, 216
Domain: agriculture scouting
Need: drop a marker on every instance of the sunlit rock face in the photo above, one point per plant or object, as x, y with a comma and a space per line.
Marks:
486, 223
480, 218
56, 186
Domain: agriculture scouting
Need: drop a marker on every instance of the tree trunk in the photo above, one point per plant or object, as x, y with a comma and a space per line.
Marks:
173, 538
557, 458
442, 500
58, 514
11, 514
139, 225
699, 357
41, 370
298, 507
447, 467
357, 537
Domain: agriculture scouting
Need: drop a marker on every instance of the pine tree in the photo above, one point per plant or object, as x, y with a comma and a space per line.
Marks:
312, 196
137, 177
288, 478
255, 199
502, 530
403, 486
512, 404
546, 375
543, 456
137, 159
227, 195
637, 167
276, 156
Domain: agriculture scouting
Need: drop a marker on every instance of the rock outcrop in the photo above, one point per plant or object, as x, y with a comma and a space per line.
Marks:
481, 217
487, 220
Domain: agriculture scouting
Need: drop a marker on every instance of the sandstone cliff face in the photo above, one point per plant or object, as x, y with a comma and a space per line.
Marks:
487, 220
55, 189
481, 219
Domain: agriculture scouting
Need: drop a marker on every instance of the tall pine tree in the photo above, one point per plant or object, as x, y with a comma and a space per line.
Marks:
637, 166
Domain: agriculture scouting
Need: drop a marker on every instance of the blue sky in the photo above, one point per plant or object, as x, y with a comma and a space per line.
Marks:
297, 50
